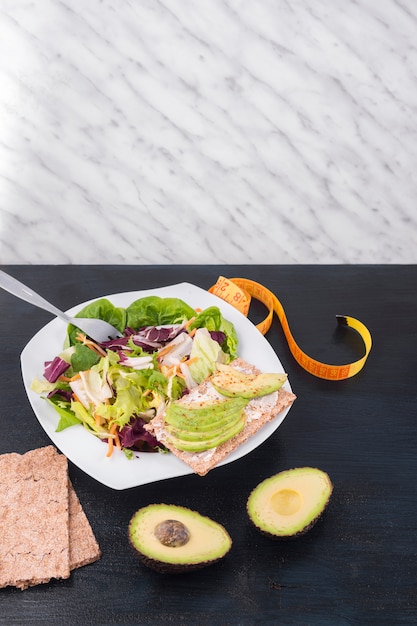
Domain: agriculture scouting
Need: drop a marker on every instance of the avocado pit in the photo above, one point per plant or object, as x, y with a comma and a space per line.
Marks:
173, 539
172, 533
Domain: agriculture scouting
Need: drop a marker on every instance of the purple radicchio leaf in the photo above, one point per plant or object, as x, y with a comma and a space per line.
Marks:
149, 338
218, 335
134, 436
54, 369
114, 344
66, 395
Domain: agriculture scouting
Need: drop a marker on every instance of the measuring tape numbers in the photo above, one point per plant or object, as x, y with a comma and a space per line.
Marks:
239, 291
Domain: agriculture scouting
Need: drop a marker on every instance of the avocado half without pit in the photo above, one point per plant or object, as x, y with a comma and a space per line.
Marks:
288, 504
173, 539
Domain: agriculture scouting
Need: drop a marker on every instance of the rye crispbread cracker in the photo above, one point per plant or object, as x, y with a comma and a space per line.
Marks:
34, 522
83, 548
259, 411
44, 532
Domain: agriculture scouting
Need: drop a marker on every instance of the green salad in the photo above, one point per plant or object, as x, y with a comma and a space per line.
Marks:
113, 389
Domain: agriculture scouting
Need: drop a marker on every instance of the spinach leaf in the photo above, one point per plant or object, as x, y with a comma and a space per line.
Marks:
157, 311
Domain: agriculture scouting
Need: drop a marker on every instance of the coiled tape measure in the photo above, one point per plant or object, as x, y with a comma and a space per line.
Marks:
239, 291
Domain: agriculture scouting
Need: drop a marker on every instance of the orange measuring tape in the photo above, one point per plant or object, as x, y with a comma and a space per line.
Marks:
239, 291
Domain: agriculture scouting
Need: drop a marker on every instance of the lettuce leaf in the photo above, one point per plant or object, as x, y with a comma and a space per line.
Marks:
157, 311
102, 309
83, 358
212, 319
66, 415
208, 353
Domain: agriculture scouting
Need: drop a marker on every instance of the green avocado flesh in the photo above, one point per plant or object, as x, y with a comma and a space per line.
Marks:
173, 539
197, 427
200, 427
289, 503
203, 417
209, 433
230, 382
208, 440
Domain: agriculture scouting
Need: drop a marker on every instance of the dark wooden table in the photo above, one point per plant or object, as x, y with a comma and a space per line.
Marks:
358, 565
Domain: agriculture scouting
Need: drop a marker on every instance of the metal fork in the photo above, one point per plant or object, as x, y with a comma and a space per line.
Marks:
96, 329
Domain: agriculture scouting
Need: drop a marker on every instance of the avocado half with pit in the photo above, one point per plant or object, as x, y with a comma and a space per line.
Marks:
288, 504
173, 539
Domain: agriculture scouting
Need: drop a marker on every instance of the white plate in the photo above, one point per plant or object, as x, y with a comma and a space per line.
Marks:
88, 452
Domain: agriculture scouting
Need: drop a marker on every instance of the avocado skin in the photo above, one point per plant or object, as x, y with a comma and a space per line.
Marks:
304, 529
175, 568
291, 537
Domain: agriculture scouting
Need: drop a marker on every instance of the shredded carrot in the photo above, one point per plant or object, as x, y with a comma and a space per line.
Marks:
110, 445
198, 310
69, 379
76, 398
91, 344
165, 350
192, 332
146, 393
178, 372
171, 371
189, 361
111, 440
189, 322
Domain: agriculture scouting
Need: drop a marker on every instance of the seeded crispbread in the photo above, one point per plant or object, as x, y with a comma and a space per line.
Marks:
83, 548
34, 519
44, 532
259, 412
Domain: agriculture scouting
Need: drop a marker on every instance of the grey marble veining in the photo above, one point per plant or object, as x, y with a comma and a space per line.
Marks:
229, 131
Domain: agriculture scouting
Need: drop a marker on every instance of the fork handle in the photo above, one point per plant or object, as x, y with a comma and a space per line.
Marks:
18, 289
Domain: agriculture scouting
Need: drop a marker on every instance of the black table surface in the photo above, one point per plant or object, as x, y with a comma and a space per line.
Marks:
358, 565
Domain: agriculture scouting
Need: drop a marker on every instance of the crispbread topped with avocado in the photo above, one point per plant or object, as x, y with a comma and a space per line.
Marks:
216, 417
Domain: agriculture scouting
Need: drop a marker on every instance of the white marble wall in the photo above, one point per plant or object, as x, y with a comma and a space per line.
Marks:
208, 131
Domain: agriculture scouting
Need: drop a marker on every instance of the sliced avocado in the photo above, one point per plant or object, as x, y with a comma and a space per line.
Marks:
174, 539
208, 440
289, 503
203, 416
210, 432
230, 382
